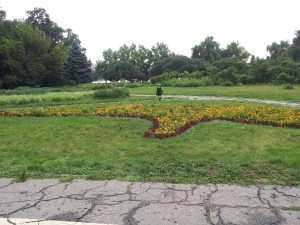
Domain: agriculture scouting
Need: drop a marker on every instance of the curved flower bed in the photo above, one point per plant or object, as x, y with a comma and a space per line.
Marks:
172, 120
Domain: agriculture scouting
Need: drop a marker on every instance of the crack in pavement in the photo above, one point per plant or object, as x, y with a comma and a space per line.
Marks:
2, 187
284, 194
208, 206
276, 213
220, 220
124, 201
129, 218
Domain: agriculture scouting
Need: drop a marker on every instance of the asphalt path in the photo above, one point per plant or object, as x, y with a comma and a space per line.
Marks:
49, 202
213, 98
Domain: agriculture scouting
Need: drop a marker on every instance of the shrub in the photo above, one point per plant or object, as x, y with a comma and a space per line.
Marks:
245, 79
284, 78
164, 77
172, 75
205, 81
227, 84
120, 92
288, 86
128, 84
104, 93
70, 83
112, 93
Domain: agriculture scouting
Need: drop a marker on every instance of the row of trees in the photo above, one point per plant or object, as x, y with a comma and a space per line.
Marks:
230, 64
130, 62
38, 52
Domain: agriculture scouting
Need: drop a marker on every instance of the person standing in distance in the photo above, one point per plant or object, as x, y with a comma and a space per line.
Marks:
159, 92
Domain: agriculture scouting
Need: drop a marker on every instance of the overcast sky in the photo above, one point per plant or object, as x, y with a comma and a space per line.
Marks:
181, 24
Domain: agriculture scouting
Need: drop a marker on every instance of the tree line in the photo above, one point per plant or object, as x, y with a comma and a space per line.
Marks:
37, 52
234, 63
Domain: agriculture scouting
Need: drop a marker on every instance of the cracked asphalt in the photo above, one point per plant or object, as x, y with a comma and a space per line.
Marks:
144, 203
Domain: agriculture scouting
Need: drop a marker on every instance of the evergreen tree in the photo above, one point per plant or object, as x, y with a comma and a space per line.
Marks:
77, 68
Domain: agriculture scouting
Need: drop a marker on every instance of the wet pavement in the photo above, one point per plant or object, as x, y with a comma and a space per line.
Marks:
49, 202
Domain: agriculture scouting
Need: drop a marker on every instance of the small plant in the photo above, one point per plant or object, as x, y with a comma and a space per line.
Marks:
288, 86
22, 177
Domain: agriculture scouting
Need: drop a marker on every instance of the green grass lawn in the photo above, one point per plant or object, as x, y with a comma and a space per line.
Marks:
114, 148
270, 92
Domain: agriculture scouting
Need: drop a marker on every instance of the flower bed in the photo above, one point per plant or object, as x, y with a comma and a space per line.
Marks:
172, 120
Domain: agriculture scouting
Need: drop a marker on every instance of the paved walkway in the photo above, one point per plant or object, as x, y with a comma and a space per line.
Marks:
206, 98
48, 202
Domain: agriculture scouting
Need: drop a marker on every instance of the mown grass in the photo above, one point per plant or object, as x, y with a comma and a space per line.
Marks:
114, 148
269, 92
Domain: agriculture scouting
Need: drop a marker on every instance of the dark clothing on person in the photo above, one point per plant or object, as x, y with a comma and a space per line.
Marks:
159, 92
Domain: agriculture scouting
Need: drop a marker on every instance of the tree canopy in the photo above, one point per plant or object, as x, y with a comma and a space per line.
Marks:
137, 59
38, 52
77, 68
33, 51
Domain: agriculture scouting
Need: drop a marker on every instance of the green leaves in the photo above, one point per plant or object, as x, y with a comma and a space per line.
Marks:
77, 68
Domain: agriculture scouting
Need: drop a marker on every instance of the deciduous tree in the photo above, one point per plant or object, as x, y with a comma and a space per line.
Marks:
278, 51
235, 50
295, 47
208, 50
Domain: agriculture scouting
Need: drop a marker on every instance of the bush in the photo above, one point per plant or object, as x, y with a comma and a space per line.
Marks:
120, 92
105, 93
70, 83
112, 93
205, 81
164, 77
128, 84
284, 78
227, 84
172, 75
288, 86
245, 79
